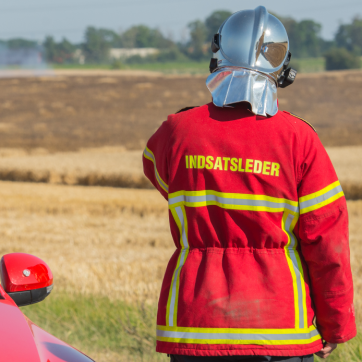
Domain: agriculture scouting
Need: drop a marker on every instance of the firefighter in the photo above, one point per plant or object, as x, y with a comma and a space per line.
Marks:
261, 270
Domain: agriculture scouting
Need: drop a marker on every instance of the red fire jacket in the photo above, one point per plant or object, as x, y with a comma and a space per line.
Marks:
260, 225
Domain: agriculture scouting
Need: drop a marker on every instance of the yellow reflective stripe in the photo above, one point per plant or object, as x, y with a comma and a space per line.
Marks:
233, 196
150, 156
238, 330
237, 335
182, 230
231, 207
320, 198
292, 272
186, 228
170, 300
319, 193
231, 201
321, 204
179, 215
289, 221
241, 342
183, 256
304, 293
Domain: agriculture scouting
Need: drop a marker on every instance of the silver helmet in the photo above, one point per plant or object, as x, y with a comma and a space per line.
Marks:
251, 60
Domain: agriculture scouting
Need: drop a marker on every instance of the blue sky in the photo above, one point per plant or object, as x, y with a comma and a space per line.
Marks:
37, 18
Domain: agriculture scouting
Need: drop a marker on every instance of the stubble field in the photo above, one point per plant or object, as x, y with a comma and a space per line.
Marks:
66, 113
63, 137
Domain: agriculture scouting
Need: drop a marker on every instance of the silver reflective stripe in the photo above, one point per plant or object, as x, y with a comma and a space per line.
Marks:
321, 198
292, 251
182, 221
178, 270
232, 201
160, 181
238, 336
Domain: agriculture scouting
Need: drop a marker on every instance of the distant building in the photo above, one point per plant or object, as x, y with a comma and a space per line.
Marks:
79, 56
122, 53
119, 53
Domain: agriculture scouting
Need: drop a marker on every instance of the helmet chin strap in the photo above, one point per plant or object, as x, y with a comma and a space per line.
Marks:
287, 77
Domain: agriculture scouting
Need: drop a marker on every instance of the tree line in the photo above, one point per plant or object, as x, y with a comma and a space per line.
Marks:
305, 42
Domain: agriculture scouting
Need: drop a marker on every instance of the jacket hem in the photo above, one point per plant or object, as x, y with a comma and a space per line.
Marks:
247, 351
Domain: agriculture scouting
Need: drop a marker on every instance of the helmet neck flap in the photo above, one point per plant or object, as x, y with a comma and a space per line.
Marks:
232, 85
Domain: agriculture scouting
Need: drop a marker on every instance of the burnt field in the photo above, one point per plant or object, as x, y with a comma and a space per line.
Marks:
66, 113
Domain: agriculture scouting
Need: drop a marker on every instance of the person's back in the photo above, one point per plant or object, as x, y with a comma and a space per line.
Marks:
260, 224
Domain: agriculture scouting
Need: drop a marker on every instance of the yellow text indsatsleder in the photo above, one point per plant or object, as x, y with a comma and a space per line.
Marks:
233, 164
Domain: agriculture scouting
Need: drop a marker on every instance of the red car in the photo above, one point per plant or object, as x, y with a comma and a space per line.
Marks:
26, 279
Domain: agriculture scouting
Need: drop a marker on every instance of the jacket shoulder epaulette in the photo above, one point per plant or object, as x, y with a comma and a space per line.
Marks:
294, 115
185, 109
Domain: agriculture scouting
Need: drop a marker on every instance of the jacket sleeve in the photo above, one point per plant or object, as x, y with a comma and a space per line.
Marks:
323, 233
155, 165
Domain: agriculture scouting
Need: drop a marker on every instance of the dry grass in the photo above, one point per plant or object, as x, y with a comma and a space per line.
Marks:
117, 167
96, 240
355, 228
348, 164
105, 242
106, 166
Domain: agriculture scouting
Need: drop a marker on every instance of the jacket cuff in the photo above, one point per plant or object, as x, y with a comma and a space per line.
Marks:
342, 339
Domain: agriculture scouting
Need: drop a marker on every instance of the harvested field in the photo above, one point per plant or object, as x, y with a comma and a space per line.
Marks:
101, 244
78, 130
87, 233
66, 113
113, 243
348, 164
106, 166
117, 167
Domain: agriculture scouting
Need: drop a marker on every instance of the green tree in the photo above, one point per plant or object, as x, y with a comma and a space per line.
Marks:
61, 52
341, 58
141, 36
65, 51
198, 33
214, 21
97, 44
308, 38
50, 47
304, 37
349, 36
326, 45
18, 43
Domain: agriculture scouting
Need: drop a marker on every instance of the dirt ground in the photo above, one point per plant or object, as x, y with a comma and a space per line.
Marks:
64, 113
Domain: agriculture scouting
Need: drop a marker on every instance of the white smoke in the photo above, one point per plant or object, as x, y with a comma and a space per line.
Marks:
22, 61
